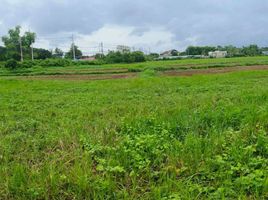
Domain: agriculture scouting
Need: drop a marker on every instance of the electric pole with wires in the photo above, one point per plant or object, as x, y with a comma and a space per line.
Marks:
73, 46
32, 52
21, 52
101, 49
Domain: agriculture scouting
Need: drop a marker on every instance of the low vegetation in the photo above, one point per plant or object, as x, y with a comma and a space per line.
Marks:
147, 137
203, 137
66, 66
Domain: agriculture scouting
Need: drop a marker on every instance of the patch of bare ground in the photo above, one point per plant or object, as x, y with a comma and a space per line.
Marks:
186, 72
102, 70
75, 77
217, 70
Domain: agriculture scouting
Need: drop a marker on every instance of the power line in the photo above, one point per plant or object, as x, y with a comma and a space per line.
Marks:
62, 42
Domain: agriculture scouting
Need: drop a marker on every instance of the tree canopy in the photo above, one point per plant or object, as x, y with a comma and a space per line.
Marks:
12, 43
58, 53
128, 57
78, 53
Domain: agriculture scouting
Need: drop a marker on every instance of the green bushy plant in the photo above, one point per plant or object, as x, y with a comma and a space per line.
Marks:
27, 64
11, 64
55, 62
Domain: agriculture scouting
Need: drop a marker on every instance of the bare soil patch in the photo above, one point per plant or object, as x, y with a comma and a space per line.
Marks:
188, 72
75, 77
92, 71
217, 70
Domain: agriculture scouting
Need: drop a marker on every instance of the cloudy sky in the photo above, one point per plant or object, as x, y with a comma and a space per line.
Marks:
153, 25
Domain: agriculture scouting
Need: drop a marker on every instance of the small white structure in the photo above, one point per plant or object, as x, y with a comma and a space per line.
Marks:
166, 54
169, 54
217, 54
265, 53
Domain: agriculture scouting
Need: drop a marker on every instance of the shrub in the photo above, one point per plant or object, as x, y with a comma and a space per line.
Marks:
27, 64
11, 64
148, 73
89, 62
2, 64
55, 63
134, 70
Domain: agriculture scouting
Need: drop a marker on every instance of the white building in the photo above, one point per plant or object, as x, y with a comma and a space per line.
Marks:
265, 53
217, 54
169, 54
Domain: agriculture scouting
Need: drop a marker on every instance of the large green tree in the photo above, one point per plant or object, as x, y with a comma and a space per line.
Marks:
78, 53
42, 54
232, 50
251, 50
12, 43
3, 52
58, 53
199, 50
28, 39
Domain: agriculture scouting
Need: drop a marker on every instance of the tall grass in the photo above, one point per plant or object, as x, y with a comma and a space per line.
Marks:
203, 137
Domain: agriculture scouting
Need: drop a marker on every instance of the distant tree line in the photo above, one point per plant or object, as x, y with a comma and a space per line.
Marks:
251, 50
16, 44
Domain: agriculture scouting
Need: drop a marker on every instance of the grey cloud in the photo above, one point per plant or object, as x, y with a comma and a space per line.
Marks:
211, 21
139, 31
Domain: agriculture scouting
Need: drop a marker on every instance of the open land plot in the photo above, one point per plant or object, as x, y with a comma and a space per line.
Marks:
107, 75
158, 66
199, 137
218, 70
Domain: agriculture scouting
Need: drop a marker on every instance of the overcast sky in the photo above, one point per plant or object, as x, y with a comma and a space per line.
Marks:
152, 24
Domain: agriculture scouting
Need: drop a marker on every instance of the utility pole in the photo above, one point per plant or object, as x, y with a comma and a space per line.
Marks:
101, 49
32, 52
21, 53
73, 47
31, 46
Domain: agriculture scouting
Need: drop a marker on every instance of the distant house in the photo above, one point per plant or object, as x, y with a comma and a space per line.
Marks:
166, 54
170, 53
265, 53
87, 58
217, 54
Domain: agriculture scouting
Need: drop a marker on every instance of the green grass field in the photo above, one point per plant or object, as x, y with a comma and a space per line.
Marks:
149, 137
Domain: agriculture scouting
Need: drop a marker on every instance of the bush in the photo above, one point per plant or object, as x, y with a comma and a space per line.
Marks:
50, 63
27, 64
89, 62
11, 64
2, 64
55, 63
134, 70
